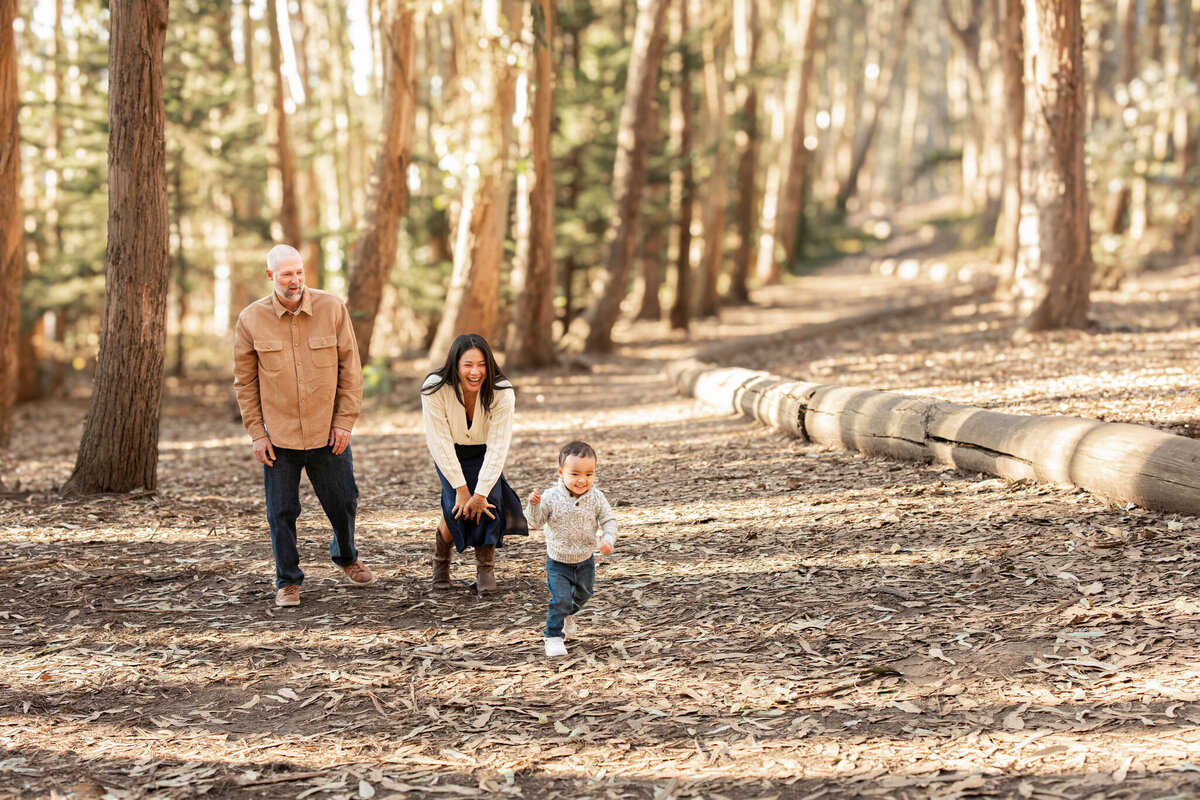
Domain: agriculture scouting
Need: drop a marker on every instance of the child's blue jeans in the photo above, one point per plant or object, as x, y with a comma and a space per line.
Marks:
570, 587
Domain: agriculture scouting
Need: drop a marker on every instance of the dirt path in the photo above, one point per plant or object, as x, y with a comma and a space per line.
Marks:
777, 620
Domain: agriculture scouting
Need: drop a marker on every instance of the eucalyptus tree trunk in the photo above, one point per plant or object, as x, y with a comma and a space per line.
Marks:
530, 336
472, 300
1127, 34
790, 216
593, 331
865, 136
747, 34
716, 196
289, 211
12, 229
1012, 59
119, 449
1055, 266
683, 180
311, 251
981, 183
387, 203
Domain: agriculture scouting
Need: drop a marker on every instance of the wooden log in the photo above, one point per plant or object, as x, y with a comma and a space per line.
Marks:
1123, 462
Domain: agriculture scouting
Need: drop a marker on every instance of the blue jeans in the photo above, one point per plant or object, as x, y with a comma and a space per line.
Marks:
570, 587
332, 479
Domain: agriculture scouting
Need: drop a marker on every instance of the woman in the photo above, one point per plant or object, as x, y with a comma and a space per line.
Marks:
468, 410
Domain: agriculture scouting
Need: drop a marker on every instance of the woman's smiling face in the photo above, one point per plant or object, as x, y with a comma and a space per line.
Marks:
472, 370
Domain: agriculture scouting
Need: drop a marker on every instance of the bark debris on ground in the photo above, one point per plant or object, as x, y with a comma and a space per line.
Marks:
778, 619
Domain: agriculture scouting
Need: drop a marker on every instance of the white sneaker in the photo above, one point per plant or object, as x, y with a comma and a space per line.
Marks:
569, 627
555, 647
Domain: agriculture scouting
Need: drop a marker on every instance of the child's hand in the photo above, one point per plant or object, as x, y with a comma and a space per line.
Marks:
605, 548
535, 497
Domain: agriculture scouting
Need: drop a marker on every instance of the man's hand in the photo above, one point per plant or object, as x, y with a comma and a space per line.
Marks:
535, 497
264, 453
605, 547
339, 440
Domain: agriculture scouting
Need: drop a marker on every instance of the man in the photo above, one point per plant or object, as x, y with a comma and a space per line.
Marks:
299, 385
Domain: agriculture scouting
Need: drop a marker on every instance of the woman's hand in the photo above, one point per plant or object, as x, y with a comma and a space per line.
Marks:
477, 506
462, 498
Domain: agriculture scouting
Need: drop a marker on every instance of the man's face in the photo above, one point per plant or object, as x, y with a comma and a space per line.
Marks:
288, 277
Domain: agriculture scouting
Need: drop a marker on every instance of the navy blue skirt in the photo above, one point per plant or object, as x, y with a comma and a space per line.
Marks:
510, 517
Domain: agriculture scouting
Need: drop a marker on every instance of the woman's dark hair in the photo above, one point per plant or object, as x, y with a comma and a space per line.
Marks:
448, 372
577, 449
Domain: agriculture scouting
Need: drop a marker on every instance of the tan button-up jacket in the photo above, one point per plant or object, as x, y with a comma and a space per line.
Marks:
297, 375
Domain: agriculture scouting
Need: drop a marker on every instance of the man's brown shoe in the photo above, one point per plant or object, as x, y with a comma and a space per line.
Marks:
288, 596
358, 574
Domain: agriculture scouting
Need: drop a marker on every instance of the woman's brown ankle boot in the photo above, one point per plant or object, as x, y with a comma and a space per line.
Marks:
441, 563
485, 569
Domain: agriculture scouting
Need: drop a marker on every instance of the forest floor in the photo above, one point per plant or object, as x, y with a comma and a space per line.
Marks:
778, 620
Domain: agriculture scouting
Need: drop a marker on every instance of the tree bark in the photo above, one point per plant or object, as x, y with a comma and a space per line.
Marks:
683, 180
1127, 31
289, 211
175, 193
375, 253
12, 227
593, 331
716, 197
119, 449
747, 47
1013, 60
883, 88
312, 252
530, 337
1055, 265
980, 183
473, 298
789, 225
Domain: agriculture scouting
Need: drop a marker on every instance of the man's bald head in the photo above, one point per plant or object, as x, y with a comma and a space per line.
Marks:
285, 268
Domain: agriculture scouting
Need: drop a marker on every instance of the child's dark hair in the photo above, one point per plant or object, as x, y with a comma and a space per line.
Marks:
448, 372
577, 449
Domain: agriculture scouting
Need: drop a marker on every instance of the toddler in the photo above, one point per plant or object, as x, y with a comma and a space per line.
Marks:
572, 511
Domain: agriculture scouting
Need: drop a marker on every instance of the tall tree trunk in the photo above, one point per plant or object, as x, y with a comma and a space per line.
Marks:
593, 331
1055, 269
289, 211
375, 253
789, 230
1013, 61
119, 449
980, 183
650, 256
746, 45
312, 252
12, 228
716, 198
472, 301
175, 192
530, 336
1127, 31
883, 88
683, 180
1186, 131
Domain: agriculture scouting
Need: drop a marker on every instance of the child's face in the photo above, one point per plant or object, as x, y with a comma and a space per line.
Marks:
578, 474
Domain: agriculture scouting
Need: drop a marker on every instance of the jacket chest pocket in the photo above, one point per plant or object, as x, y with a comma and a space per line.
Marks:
323, 349
270, 355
